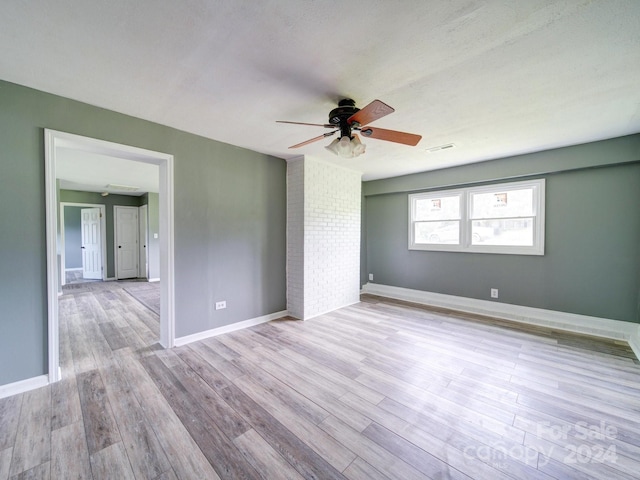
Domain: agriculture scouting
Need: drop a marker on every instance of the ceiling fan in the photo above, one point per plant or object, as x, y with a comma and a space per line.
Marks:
347, 118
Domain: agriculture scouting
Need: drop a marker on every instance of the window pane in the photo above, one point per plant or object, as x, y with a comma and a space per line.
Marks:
438, 208
509, 231
437, 233
503, 203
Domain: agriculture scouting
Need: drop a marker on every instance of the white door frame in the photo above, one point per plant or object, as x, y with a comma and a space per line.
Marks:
54, 139
143, 241
103, 235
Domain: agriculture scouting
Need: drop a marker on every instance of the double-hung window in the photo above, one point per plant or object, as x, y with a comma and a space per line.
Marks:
505, 218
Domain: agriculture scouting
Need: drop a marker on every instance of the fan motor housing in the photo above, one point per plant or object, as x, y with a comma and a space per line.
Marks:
345, 109
339, 116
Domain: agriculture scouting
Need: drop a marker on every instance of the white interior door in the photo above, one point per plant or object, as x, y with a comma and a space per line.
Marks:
91, 243
142, 242
126, 245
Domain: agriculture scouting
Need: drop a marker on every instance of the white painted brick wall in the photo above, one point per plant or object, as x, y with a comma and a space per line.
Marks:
295, 238
330, 246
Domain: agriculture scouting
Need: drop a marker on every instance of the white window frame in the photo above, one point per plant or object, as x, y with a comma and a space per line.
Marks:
466, 195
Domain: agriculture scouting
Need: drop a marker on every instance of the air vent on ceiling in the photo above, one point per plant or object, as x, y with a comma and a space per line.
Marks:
441, 147
122, 188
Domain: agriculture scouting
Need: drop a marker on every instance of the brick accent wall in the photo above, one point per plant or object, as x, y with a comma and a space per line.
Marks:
323, 237
295, 238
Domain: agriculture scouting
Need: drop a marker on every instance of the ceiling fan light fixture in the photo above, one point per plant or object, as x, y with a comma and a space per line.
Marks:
347, 147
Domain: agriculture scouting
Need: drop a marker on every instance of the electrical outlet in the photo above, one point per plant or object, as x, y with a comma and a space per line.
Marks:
494, 293
221, 305
371, 277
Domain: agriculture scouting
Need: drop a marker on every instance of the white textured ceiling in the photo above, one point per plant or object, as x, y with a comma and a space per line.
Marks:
95, 172
495, 78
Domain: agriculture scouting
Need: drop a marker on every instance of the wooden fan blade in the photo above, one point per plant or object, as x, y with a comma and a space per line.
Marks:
371, 112
391, 135
325, 125
315, 139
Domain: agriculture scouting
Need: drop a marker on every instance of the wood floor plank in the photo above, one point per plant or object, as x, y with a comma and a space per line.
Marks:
226, 367
567, 436
65, 403
264, 458
69, 454
587, 465
305, 381
111, 462
113, 335
219, 450
81, 352
32, 445
413, 455
66, 357
453, 441
181, 449
101, 429
39, 472
361, 470
336, 454
9, 418
229, 422
143, 449
304, 459
278, 391
334, 376
5, 462
378, 457
426, 400
169, 475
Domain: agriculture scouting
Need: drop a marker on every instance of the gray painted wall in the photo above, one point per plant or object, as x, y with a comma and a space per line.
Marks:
230, 209
591, 264
72, 237
153, 226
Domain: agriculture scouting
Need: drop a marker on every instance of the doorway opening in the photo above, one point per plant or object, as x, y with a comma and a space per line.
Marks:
82, 242
54, 142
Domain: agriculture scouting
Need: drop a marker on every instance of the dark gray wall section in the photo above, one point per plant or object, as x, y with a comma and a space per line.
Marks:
233, 206
72, 237
606, 152
592, 253
73, 196
230, 209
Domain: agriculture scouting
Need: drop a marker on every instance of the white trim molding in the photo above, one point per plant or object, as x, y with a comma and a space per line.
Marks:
53, 140
23, 386
180, 341
316, 315
571, 322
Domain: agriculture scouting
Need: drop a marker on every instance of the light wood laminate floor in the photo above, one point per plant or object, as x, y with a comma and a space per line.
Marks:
381, 389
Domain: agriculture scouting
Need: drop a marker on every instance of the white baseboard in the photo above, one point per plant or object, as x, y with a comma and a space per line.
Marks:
601, 327
73, 269
178, 342
315, 315
634, 342
153, 280
23, 386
